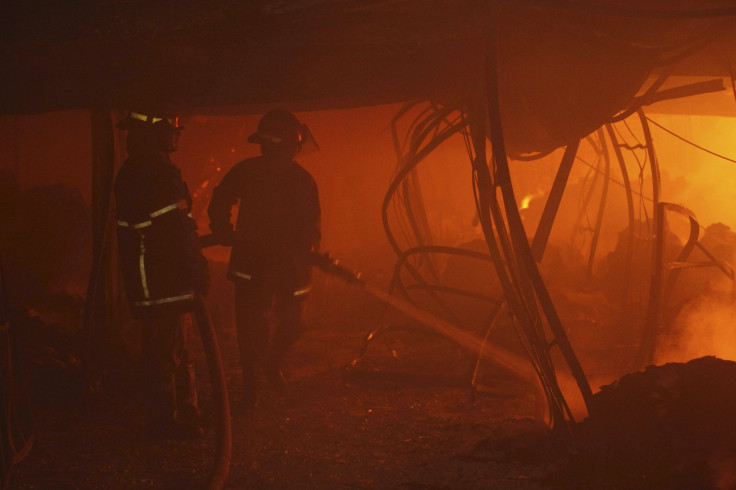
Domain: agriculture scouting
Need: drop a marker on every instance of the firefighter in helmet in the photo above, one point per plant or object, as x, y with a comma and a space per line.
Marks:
278, 225
162, 267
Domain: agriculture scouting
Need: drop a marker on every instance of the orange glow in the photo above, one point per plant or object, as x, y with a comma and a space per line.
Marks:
526, 201
703, 328
703, 183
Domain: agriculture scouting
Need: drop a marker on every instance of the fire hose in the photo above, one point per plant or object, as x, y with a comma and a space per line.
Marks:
501, 357
223, 429
496, 354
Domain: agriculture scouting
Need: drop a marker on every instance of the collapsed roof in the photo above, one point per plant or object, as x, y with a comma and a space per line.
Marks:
565, 67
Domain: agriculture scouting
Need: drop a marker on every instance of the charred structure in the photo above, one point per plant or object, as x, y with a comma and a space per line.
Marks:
504, 88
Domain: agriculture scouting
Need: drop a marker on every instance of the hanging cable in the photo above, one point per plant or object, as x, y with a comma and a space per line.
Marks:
690, 142
524, 255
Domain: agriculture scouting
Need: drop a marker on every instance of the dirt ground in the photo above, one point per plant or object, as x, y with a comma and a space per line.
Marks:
332, 428
361, 427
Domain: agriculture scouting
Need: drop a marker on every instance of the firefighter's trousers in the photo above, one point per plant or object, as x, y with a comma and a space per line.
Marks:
269, 319
168, 369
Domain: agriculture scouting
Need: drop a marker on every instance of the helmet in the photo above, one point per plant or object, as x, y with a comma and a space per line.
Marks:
141, 120
151, 131
279, 126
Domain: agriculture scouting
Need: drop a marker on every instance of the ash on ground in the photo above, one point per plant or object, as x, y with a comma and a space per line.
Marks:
669, 426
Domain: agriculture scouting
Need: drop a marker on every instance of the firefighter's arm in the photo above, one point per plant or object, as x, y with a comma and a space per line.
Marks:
184, 231
180, 230
224, 196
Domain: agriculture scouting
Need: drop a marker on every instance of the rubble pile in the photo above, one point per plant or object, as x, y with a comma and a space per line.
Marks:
669, 425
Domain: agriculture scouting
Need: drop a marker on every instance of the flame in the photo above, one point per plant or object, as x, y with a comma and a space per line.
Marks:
528, 199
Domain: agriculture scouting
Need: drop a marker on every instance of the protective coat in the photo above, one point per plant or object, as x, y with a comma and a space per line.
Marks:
162, 263
278, 221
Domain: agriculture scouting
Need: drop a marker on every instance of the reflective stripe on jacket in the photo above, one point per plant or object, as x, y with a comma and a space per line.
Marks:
278, 221
299, 292
161, 261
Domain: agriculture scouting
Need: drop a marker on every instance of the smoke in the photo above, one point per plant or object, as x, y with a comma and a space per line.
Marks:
705, 326
706, 323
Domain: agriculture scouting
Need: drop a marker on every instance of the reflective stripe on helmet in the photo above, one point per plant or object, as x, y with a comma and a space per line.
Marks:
172, 299
272, 139
173, 121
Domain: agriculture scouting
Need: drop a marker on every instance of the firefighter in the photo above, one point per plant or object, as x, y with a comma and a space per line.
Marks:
278, 225
163, 269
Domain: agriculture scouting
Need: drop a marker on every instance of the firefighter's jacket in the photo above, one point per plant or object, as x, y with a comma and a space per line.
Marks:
161, 260
278, 222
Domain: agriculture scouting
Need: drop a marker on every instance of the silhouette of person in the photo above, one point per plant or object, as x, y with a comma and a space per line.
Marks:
278, 225
163, 269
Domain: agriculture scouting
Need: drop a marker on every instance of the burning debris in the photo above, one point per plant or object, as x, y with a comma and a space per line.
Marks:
667, 427
664, 427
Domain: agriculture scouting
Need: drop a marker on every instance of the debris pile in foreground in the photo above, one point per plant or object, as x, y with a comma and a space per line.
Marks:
669, 425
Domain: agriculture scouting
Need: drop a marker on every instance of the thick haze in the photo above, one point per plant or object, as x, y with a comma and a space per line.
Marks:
356, 163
